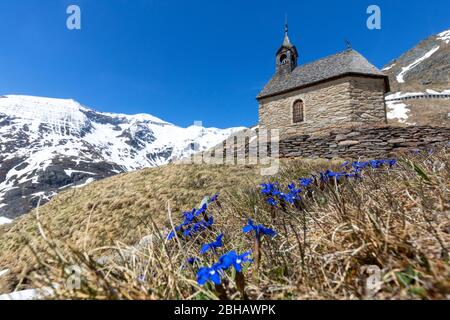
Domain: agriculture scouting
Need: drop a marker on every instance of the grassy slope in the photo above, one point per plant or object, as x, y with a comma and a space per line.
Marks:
396, 219
114, 208
117, 209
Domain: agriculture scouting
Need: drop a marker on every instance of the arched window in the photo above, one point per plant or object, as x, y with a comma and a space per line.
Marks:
298, 114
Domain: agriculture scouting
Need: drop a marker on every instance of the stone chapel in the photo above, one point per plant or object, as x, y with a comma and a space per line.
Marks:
339, 90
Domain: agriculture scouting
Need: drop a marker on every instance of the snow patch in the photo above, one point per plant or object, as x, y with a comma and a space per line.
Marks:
444, 36
400, 76
88, 181
389, 67
397, 111
58, 115
4, 220
29, 294
69, 172
141, 117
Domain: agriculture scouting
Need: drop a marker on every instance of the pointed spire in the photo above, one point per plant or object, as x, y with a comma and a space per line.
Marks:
286, 42
286, 25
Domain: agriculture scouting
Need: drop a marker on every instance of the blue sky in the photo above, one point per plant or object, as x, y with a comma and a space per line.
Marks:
189, 60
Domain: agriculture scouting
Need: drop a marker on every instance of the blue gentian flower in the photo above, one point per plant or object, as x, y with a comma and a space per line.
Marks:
214, 198
233, 259
290, 197
197, 227
270, 189
259, 229
191, 224
173, 232
305, 182
201, 210
213, 245
188, 217
375, 164
171, 235
206, 274
209, 223
359, 165
334, 175
267, 188
188, 232
293, 194
273, 192
391, 162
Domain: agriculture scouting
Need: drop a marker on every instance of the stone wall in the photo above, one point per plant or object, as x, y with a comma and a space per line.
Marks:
346, 101
364, 142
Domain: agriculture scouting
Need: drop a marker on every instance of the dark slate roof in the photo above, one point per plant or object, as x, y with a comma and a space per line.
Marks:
346, 62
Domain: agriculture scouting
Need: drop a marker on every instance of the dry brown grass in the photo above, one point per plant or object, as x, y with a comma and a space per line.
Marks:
396, 219
114, 209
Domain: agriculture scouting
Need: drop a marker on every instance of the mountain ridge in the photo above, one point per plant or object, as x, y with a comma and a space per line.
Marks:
426, 64
420, 83
49, 145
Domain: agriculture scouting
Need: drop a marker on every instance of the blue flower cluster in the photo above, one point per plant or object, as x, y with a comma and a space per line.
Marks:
197, 220
374, 164
226, 261
331, 175
258, 229
275, 196
230, 259
194, 221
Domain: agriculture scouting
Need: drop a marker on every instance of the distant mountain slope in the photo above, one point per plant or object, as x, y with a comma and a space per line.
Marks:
48, 145
420, 83
427, 65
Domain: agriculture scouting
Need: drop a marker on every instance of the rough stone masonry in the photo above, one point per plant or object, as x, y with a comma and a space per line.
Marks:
365, 141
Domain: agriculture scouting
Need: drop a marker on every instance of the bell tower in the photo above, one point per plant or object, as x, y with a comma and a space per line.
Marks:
287, 55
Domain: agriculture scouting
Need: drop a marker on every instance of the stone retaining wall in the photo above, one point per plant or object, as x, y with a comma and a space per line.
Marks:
379, 141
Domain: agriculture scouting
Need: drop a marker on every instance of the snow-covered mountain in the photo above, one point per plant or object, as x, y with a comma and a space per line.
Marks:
48, 145
420, 81
425, 65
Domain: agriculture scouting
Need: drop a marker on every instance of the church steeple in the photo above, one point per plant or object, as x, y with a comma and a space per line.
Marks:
286, 42
287, 55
